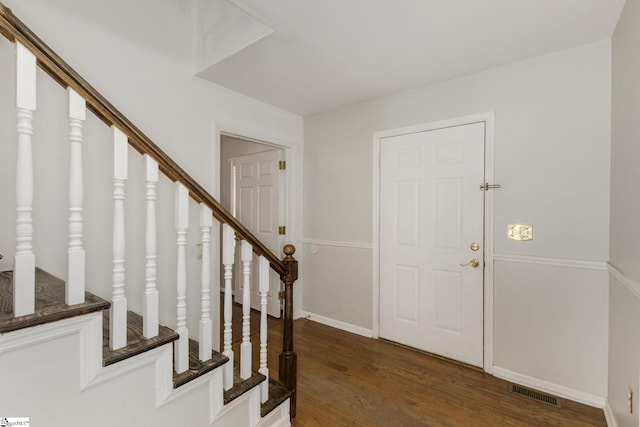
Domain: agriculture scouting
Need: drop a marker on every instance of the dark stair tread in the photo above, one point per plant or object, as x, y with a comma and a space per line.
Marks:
198, 368
277, 395
241, 386
49, 303
136, 342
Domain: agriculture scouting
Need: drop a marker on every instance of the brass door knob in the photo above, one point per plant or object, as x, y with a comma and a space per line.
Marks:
473, 263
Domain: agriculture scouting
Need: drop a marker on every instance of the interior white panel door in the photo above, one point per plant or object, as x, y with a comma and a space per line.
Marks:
431, 212
257, 206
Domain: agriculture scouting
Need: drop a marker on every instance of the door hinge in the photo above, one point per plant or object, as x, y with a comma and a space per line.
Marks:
282, 230
485, 186
281, 295
282, 165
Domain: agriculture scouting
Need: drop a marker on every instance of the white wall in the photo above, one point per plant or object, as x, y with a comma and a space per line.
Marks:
157, 91
552, 159
624, 308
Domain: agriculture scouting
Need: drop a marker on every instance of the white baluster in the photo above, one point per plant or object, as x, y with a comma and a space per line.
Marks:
217, 286
263, 287
205, 332
150, 298
76, 263
181, 346
245, 347
24, 261
228, 257
118, 318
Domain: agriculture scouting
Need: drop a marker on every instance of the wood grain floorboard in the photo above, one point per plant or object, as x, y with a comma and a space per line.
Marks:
349, 380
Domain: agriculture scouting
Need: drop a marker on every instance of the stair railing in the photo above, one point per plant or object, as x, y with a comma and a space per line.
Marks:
32, 52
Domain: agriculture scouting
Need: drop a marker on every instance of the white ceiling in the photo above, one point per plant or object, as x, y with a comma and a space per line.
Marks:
308, 56
326, 53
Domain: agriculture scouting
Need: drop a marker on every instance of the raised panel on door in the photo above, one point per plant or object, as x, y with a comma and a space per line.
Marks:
266, 222
245, 206
407, 291
447, 300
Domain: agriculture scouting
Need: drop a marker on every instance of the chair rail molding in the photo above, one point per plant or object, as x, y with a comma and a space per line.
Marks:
338, 243
630, 284
549, 261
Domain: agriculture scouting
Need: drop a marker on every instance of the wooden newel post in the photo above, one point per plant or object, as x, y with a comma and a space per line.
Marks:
288, 357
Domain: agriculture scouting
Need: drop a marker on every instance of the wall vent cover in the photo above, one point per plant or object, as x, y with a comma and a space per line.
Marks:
535, 395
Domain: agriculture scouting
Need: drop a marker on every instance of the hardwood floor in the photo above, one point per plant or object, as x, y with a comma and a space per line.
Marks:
348, 380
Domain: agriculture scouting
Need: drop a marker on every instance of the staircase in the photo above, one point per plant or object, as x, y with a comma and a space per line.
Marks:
132, 336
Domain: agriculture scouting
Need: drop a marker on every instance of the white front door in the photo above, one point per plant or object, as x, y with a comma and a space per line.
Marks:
257, 206
431, 219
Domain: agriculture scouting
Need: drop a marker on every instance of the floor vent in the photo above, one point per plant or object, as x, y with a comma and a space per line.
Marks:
535, 395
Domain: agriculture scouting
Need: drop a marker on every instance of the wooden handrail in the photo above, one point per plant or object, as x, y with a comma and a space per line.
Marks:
15, 30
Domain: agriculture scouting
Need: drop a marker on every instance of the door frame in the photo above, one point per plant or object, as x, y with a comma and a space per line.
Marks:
488, 119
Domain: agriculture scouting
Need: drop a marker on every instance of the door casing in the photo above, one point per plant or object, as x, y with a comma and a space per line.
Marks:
488, 119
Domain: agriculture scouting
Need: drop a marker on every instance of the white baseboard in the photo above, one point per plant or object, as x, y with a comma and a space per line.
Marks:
358, 330
549, 387
608, 415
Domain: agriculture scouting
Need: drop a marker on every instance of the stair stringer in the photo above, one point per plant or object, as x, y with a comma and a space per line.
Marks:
245, 411
160, 358
87, 327
279, 417
54, 372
